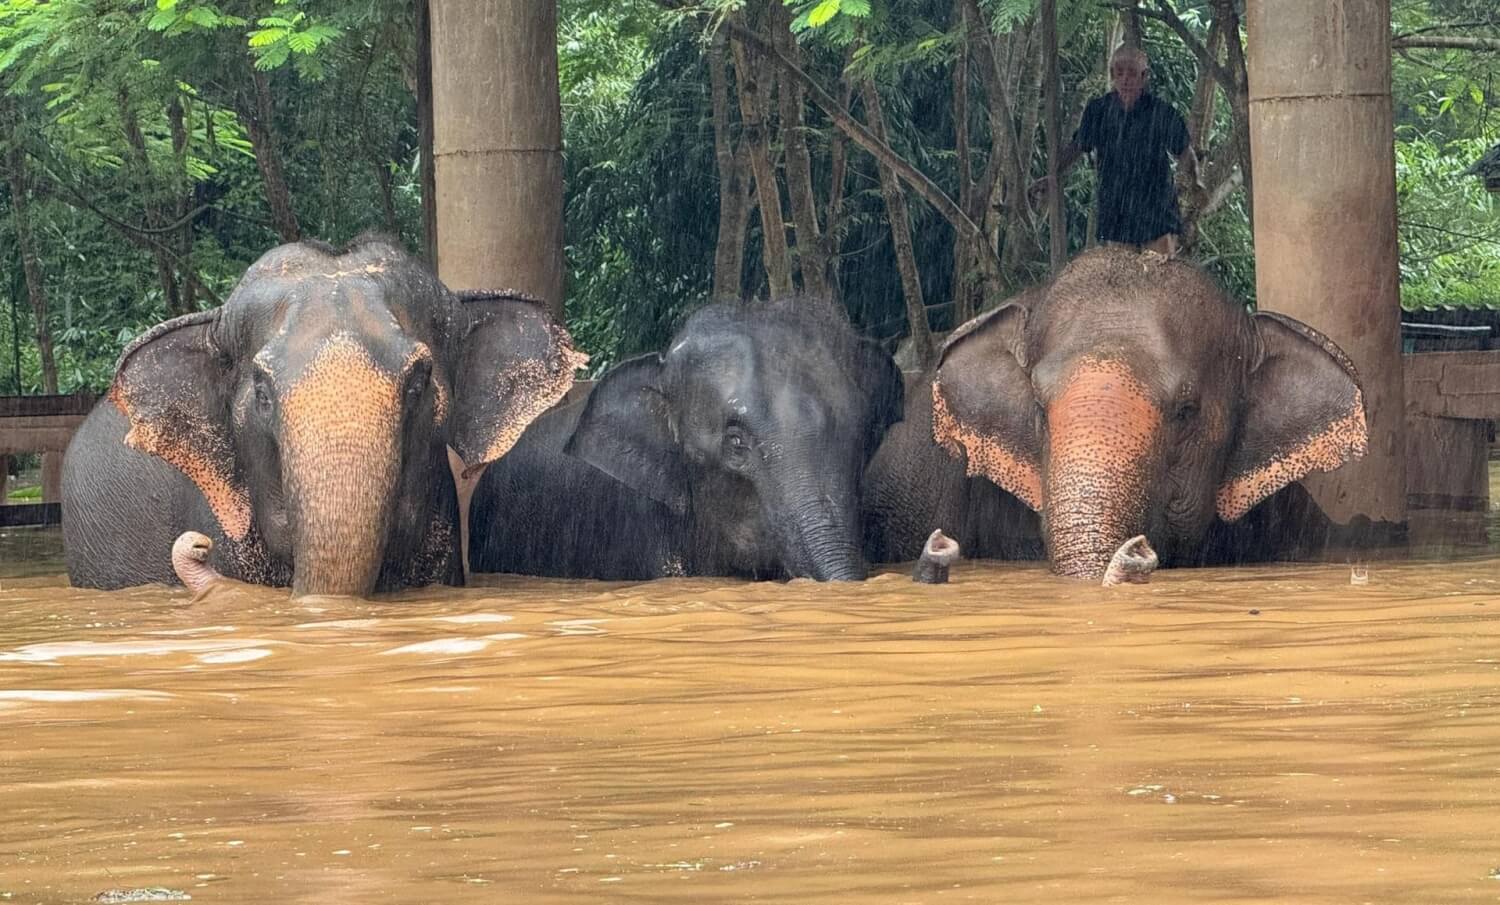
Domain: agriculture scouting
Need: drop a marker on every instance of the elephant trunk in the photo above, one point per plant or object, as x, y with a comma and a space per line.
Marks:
1104, 430
821, 540
341, 459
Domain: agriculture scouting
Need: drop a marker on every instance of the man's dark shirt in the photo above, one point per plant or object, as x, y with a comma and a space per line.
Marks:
1137, 202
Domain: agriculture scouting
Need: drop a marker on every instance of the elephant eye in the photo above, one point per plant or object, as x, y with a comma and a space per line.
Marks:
416, 381
262, 397
1186, 411
736, 447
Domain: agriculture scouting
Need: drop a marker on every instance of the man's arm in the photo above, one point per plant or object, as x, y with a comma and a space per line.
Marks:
1070, 153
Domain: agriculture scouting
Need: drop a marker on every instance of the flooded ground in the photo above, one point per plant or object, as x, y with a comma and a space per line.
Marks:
1275, 734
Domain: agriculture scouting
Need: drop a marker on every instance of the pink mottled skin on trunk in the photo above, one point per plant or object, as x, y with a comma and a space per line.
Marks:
1133, 563
190, 561
1103, 430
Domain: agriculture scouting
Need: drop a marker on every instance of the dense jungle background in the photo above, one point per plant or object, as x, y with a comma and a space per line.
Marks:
152, 150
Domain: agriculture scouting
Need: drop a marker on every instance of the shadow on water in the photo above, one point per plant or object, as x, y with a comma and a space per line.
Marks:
1266, 733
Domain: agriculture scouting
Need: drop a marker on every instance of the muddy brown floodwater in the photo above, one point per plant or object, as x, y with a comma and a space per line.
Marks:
1274, 734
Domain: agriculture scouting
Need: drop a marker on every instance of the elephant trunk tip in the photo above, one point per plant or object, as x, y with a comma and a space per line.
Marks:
938, 554
1133, 563
851, 571
190, 561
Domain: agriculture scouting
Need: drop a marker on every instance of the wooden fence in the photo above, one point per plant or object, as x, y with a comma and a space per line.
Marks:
38, 424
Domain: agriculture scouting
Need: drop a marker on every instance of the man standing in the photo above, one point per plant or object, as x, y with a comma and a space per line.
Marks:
1134, 133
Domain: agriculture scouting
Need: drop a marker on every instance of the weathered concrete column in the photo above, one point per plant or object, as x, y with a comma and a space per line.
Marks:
497, 146
1322, 148
497, 150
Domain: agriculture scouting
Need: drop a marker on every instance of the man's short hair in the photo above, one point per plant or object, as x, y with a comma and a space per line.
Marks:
1131, 53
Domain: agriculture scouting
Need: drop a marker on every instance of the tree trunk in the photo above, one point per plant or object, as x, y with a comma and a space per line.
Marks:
387, 202
811, 261
176, 119
963, 246
36, 289
753, 97
260, 126
424, 133
1130, 26
1205, 89
734, 189
1239, 98
906, 259
1053, 126
880, 150
1022, 242
838, 162
149, 193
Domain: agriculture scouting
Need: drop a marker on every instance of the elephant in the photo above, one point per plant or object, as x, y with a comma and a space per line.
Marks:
737, 452
1130, 396
304, 425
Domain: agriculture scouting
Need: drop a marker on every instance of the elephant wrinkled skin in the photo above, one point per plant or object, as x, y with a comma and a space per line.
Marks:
1130, 396
302, 426
738, 451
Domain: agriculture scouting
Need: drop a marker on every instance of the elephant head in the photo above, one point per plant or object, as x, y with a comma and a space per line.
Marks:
312, 410
1131, 396
755, 427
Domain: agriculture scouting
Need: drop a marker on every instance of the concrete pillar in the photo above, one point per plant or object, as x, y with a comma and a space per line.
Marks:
497, 146
497, 154
1325, 214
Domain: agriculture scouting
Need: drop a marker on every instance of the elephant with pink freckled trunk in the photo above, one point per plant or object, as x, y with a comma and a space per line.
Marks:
304, 426
1128, 397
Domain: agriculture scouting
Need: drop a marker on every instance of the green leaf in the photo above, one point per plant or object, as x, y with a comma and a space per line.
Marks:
857, 8
823, 12
302, 42
162, 19
274, 56
266, 36
166, 4
202, 16
322, 32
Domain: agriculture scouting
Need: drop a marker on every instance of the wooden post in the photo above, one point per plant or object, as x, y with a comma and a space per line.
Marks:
1325, 214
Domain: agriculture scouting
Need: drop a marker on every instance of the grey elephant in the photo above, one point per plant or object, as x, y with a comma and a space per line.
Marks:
738, 451
303, 426
1131, 396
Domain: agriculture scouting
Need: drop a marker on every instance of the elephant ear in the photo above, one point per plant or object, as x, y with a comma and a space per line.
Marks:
876, 373
1305, 413
626, 431
172, 385
514, 363
983, 408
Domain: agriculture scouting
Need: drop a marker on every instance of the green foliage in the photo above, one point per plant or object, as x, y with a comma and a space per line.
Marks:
1449, 228
641, 182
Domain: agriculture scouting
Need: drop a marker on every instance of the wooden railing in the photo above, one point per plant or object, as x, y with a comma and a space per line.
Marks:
38, 424
1451, 400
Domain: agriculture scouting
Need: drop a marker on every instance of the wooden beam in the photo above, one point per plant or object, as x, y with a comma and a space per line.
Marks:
77, 404
37, 433
27, 514
1453, 384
